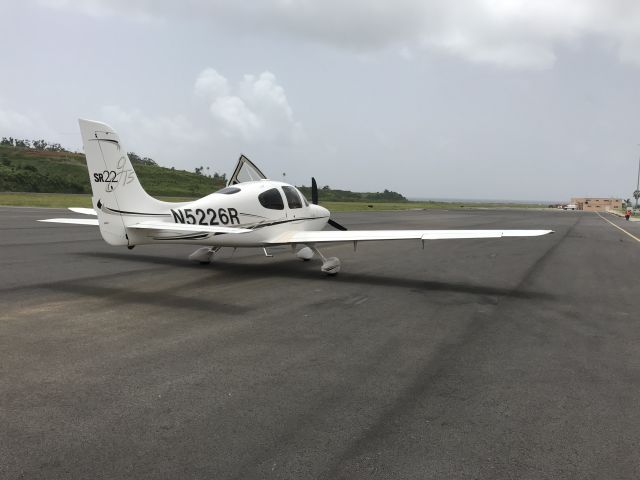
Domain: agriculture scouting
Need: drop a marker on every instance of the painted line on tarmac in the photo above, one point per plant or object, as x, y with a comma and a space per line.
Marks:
619, 228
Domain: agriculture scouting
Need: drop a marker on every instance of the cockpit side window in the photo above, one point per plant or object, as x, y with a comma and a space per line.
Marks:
304, 200
271, 199
293, 199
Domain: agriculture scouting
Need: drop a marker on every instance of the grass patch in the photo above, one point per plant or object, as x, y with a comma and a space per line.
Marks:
385, 206
59, 200
65, 200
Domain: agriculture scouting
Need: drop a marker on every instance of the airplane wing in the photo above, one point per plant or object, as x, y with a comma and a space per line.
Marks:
181, 227
327, 236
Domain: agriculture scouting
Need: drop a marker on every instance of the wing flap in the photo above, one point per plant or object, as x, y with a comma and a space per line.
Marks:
327, 236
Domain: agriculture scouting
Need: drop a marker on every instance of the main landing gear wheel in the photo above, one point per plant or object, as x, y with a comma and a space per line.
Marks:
330, 266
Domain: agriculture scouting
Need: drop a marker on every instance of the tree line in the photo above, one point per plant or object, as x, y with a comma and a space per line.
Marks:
41, 145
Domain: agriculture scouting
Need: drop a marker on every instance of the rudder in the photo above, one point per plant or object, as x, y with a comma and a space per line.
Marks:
118, 196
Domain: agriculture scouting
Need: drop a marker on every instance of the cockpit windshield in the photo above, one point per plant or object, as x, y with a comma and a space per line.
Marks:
304, 200
245, 171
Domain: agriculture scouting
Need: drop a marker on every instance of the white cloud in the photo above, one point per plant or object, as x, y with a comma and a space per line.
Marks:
210, 84
235, 117
509, 33
139, 10
256, 109
163, 128
169, 140
14, 121
23, 125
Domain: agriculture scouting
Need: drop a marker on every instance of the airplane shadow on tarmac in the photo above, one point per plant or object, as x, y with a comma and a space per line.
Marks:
236, 269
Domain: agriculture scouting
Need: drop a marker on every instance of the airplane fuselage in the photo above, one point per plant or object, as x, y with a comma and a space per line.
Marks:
266, 207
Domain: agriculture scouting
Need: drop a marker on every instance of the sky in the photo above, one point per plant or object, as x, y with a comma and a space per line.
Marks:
485, 99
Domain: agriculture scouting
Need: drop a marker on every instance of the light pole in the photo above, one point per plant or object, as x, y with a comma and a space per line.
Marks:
636, 194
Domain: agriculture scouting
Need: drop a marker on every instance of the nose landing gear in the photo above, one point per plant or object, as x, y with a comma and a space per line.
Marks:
203, 255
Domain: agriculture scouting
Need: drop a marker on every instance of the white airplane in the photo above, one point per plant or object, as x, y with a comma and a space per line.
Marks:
251, 211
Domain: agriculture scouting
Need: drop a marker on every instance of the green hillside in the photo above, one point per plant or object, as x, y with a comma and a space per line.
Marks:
327, 194
45, 171
54, 170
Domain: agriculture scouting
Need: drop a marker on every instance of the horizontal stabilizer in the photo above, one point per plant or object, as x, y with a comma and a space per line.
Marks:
76, 221
181, 227
83, 211
372, 235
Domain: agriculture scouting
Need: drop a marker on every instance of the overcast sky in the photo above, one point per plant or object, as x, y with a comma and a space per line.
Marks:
487, 99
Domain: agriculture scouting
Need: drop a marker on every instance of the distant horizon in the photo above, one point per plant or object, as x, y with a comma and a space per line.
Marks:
505, 200
483, 200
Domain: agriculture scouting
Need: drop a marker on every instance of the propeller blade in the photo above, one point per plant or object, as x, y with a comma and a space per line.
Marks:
314, 200
314, 191
336, 225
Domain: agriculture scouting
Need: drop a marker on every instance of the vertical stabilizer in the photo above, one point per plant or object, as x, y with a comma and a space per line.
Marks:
118, 197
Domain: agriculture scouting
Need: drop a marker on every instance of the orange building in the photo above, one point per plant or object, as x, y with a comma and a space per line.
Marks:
591, 204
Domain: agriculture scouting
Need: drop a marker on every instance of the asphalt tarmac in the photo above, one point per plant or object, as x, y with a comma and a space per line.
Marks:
470, 359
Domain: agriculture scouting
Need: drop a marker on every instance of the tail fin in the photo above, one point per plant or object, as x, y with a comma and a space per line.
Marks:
118, 197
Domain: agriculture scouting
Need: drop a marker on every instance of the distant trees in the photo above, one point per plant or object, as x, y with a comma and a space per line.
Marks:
329, 194
216, 176
135, 158
222, 178
33, 144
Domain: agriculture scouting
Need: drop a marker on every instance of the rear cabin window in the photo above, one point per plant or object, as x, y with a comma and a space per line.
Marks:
293, 199
271, 199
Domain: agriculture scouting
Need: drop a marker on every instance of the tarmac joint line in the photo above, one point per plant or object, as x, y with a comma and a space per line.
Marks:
619, 228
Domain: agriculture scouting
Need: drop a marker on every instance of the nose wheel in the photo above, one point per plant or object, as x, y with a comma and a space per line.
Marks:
204, 255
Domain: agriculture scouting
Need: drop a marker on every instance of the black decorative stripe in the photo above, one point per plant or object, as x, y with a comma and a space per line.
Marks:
196, 236
279, 222
104, 140
138, 214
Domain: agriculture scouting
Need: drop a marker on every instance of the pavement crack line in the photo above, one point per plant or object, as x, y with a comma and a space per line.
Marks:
619, 228
424, 381
542, 260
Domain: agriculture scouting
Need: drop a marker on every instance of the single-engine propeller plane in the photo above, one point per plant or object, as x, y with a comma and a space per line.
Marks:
251, 211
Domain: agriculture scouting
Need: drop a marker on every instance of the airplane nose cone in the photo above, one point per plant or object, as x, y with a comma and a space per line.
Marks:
320, 211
